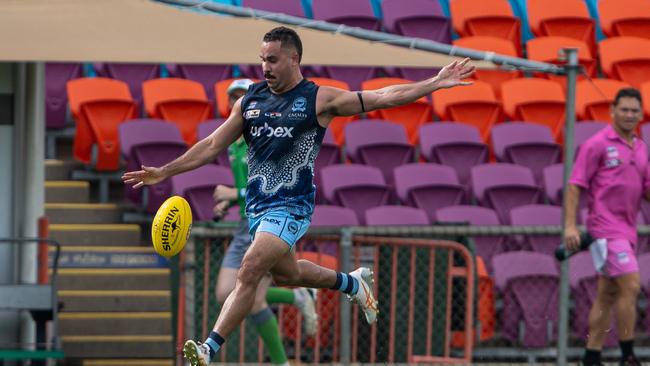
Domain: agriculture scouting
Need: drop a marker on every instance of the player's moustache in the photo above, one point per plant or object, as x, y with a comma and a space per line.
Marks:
267, 75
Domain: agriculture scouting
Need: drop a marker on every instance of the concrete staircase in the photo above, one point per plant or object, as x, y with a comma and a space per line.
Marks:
114, 289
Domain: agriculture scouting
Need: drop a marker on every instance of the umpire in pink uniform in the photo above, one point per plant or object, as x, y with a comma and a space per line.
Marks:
612, 168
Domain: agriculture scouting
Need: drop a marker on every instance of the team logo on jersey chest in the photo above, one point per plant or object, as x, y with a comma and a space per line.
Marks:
299, 104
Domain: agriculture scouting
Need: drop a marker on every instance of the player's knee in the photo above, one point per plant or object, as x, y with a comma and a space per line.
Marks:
630, 289
250, 273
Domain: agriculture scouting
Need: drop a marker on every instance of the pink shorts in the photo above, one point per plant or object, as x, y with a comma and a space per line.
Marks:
621, 258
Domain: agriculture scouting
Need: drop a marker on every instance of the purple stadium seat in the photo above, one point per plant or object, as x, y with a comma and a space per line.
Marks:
583, 280
358, 187
553, 177
457, 145
486, 246
428, 186
644, 272
529, 284
378, 143
354, 13
197, 186
232, 215
530, 215
289, 7
330, 154
56, 97
504, 186
584, 130
204, 130
527, 144
132, 74
207, 75
149, 142
395, 215
329, 216
645, 133
420, 19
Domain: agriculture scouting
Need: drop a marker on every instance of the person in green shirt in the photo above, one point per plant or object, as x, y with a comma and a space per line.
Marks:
264, 319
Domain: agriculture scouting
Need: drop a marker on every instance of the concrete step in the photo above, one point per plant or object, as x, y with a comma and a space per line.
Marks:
115, 301
73, 256
67, 191
83, 213
96, 234
60, 169
113, 279
114, 323
123, 346
128, 362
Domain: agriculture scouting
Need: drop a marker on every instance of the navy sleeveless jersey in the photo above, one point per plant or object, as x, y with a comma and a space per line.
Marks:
283, 137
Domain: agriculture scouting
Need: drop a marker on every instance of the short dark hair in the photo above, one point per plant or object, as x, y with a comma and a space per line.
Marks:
628, 93
287, 37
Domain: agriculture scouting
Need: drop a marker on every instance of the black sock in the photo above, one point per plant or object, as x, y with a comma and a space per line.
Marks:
627, 348
214, 342
592, 357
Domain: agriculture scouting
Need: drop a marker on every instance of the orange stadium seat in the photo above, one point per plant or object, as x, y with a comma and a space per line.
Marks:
594, 98
474, 104
181, 101
486, 18
326, 304
493, 44
535, 100
625, 18
337, 126
645, 93
99, 106
626, 59
547, 49
411, 116
565, 18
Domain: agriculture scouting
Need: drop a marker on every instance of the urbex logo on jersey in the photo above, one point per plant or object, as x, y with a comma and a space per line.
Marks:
269, 131
173, 223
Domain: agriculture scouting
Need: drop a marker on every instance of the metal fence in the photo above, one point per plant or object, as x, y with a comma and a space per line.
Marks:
438, 304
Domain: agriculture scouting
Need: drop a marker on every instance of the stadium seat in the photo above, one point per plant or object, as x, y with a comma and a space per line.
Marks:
504, 186
378, 143
57, 74
475, 104
181, 101
548, 49
428, 187
491, 44
583, 283
594, 98
532, 215
624, 18
626, 59
564, 18
457, 145
358, 187
204, 129
132, 74
354, 13
395, 215
411, 116
535, 100
420, 19
330, 154
99, 106
486, 18
527, 144
553, 183
337, 125
207, 75
645, 94
197, 186
152, 143
328, 216
529, 283
486, 246
584, 130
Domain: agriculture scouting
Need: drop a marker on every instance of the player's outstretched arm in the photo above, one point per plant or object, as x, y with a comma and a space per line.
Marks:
203, 152
336, 102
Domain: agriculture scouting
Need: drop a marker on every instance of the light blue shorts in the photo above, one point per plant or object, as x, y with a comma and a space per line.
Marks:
280, 223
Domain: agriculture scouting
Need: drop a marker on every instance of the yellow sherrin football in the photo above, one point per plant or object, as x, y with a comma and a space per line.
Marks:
171, 226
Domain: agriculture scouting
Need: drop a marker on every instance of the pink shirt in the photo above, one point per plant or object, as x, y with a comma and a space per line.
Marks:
615, 177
